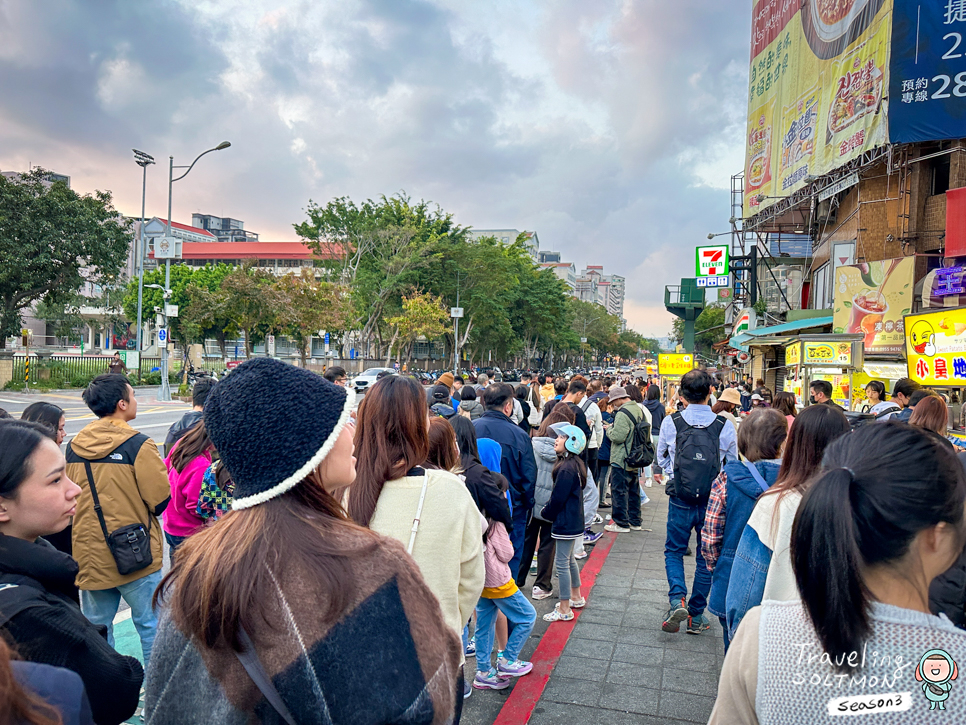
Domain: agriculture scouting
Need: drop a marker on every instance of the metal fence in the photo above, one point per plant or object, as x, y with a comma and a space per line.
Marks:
71, 370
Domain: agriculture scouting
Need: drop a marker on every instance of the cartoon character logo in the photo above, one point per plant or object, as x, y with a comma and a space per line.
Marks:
935, 671
923, 338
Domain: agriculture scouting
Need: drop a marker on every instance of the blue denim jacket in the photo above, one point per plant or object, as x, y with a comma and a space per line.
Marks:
741, 493
746, 586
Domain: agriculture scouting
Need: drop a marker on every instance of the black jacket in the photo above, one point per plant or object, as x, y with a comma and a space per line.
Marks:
566, 506
38, 616
188, 421
482, 487
947, 593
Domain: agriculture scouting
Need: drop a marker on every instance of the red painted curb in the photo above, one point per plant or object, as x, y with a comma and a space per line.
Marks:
528, 690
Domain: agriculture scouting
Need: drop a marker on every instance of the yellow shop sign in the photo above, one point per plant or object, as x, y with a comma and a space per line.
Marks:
831, 353
936, 347
675, 364
793, 354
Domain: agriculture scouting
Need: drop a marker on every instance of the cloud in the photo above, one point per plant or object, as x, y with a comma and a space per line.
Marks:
609, 126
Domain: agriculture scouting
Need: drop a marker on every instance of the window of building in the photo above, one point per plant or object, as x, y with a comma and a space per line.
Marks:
820, 288
940, 174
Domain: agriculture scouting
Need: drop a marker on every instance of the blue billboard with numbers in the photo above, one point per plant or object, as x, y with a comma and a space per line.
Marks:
927, 88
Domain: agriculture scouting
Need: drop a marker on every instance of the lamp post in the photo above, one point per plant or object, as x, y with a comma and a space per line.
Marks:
165, 393
143, 160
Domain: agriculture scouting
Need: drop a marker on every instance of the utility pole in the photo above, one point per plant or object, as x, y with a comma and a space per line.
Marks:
456, 337
143, 160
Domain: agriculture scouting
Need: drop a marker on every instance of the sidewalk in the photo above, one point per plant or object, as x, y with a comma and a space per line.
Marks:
618, 666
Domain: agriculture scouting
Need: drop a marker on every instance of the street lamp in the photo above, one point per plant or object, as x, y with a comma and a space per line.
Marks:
165, 393
143, 160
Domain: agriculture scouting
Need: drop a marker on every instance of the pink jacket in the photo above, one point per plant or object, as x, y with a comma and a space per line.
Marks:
181, 517
498, 552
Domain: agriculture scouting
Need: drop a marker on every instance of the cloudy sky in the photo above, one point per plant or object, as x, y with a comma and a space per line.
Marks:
611, 127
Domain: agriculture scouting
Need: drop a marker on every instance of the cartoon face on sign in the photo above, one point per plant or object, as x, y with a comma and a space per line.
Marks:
936, 671
923, 338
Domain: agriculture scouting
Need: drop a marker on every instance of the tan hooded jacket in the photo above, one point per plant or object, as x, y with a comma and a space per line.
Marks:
132, 485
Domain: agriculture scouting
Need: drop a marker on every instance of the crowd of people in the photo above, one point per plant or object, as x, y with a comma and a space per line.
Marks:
312, 542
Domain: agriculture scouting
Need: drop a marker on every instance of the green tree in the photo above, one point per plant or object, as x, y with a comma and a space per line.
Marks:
423, 315
52, 242
310, 306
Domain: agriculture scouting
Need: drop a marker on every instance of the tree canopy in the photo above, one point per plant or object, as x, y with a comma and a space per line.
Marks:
53, 241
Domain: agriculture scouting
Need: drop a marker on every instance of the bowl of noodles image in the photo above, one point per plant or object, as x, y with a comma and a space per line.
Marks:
832, 25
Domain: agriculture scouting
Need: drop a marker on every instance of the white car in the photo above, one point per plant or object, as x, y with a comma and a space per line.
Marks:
610, 371
364, 380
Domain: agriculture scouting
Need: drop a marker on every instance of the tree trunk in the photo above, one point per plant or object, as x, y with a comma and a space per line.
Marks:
248, 344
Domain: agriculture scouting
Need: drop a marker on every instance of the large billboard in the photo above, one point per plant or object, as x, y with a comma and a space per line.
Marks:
871, 299
819, 72
927, 90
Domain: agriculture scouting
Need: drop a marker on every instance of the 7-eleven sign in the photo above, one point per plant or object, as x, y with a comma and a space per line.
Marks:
712, 261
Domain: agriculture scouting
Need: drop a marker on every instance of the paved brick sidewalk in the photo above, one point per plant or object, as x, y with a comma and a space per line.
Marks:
618, 666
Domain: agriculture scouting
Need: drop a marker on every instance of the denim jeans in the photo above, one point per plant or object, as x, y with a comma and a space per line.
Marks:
100, 607
568, 575
174, 542
683, 518
724, 629
604, 471
517, 536
625, 496
520, 617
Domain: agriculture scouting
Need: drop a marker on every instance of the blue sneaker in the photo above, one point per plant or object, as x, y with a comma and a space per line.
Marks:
470, 647
591, 537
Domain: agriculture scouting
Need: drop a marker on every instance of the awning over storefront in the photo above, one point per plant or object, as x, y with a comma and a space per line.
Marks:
742, 340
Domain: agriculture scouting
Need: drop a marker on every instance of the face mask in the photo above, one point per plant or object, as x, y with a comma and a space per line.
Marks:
811, 399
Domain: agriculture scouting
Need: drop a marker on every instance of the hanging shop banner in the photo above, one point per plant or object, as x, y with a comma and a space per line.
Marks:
827, 353
871, 299
818, 75
936, 347
674, 364
793, 354
927, 90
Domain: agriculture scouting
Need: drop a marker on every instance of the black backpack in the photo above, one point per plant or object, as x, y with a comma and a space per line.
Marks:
641, 450
697, 461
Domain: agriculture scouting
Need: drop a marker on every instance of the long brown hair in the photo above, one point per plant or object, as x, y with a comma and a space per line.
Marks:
932, 414
194, 443
557, 414
223, 579
815, 428
442, 446
784, 403
18, 705
392, 436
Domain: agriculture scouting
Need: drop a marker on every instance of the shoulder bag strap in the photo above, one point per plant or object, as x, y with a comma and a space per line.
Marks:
97, 501
253, 666
419, 512
756, 474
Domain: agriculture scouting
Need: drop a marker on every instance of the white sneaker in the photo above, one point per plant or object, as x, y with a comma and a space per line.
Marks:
580, 555
645, 500
539, 593
614, 528
648, 482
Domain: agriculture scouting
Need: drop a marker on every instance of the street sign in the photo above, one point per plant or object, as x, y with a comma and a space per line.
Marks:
171, 310
712, 261
455, 311
232, 364
167, 248
131, 359
270, 340
162, 336
723, 280
583, 339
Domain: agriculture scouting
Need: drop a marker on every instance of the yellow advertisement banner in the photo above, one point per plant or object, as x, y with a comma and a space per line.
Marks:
872, 299
819, 69
793, 354
936, 347
674, 364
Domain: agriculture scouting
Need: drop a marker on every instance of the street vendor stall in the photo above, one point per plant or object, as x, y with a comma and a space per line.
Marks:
835, 358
